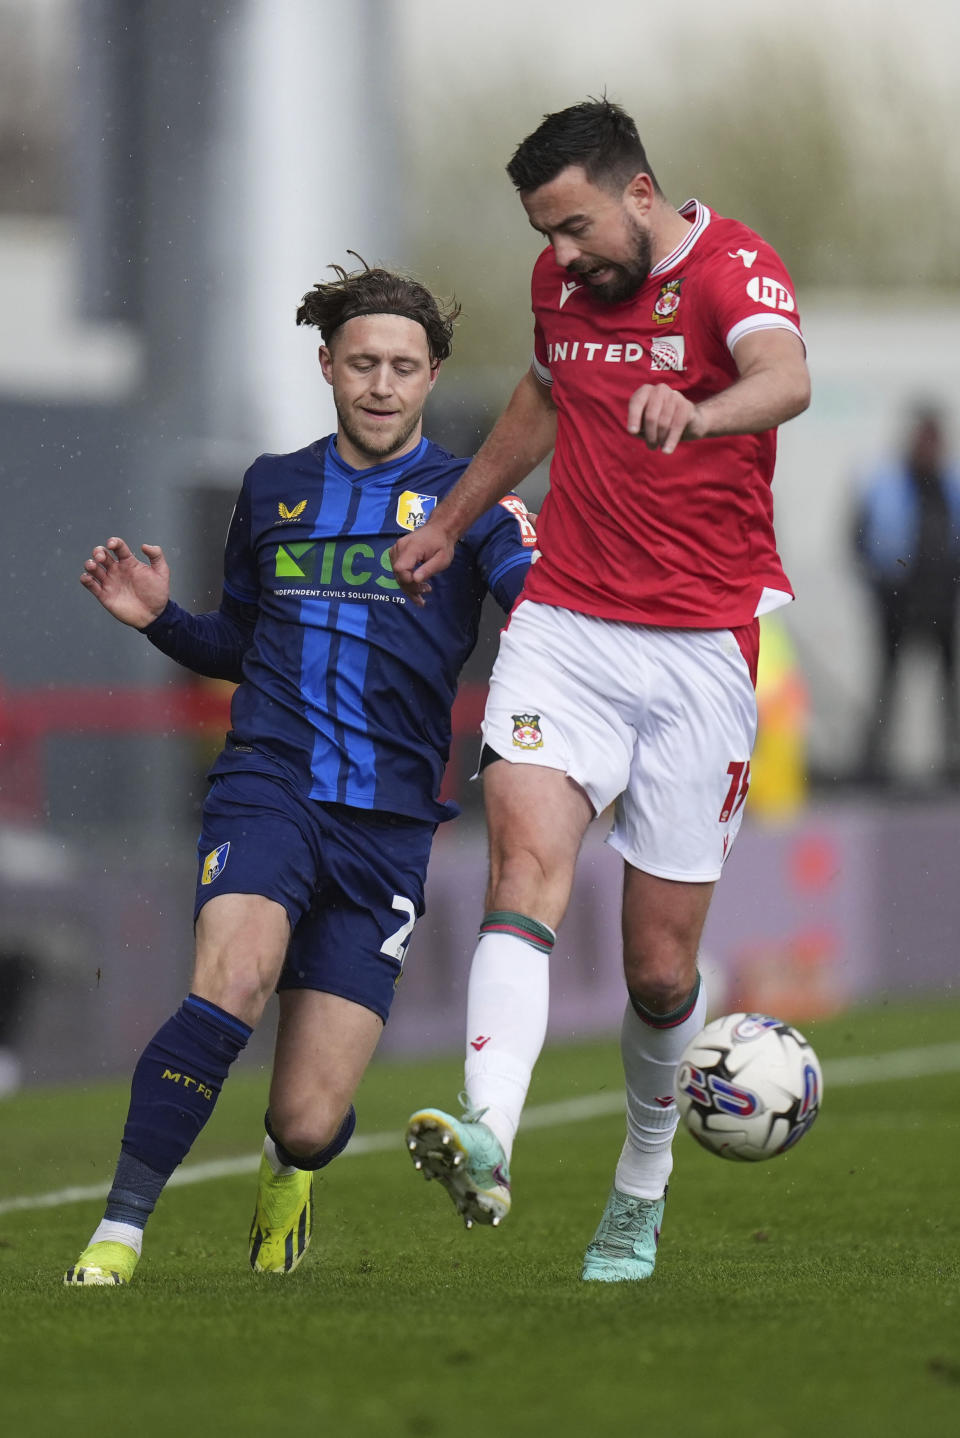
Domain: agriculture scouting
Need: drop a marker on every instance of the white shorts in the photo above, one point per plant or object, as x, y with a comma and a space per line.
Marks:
661, 721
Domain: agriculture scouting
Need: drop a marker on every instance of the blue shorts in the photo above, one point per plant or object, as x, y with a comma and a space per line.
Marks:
351, 881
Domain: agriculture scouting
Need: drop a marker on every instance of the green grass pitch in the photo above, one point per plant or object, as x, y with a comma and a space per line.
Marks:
815, 1294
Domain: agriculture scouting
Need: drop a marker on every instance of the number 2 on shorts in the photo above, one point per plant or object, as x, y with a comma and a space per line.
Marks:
395, 944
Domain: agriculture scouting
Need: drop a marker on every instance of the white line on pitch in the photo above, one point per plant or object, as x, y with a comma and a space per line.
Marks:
837, 1073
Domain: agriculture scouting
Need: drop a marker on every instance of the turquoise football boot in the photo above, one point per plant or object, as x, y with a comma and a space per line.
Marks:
624, 1247
106, 1264
467, 1158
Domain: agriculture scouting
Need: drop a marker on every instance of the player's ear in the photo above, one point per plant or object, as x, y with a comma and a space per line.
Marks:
639, 193
434, 372
326, 363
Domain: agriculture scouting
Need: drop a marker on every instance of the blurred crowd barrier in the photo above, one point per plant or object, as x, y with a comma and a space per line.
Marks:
842, 904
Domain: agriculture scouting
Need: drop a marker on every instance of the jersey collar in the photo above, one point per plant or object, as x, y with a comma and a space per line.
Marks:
390, 471
699, 216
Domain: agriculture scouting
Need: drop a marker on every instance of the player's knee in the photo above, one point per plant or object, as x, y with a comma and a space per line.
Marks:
528, 882
659, 979
242, 987
513, 875
304, 1130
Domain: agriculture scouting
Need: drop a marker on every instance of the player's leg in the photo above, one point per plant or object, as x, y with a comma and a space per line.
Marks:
345, 959
536, 819
241, 941
562, 756
675, 823
253, 882
662, 924
324, 1043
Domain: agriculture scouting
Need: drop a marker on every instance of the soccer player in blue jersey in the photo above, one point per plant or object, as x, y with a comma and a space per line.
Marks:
323, 803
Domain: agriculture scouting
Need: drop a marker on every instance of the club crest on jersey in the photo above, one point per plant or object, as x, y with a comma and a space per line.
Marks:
414, 509
666, 352
526, 731
668, 302
293, 513
215, 863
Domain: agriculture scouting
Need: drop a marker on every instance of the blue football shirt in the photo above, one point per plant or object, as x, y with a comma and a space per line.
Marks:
346, 685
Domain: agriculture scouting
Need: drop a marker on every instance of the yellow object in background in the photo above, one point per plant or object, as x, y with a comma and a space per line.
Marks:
778, 769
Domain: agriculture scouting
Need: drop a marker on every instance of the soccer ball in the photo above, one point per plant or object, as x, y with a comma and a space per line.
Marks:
748, 1086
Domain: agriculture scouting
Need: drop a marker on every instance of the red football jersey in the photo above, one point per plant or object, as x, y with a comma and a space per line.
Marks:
629, 533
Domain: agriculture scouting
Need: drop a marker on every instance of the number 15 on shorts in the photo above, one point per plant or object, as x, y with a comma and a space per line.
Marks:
739, 771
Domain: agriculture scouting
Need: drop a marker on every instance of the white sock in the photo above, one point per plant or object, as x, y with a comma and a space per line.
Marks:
282, 1170
507, 1001
650, 1057
109, 1231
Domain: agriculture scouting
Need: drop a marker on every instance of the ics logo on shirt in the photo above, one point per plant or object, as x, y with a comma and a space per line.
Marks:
215, 863
413, 509
526, 731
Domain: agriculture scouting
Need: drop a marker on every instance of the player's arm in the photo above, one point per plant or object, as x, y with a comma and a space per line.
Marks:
138, 594
211, 644
503, 543
523, 436
214, 644
773, 385
133, 592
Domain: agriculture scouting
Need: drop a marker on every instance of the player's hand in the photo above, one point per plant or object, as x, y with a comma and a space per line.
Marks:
662, 417
133, 592
419, 555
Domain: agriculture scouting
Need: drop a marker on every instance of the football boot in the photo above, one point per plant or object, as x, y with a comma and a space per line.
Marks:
624, 1247
282, 1220
103, 1263
467, 1158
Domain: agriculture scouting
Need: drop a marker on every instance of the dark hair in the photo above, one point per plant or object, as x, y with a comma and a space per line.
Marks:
597, 134
379, 292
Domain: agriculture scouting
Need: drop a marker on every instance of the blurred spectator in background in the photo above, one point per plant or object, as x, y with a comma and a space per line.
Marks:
907, 538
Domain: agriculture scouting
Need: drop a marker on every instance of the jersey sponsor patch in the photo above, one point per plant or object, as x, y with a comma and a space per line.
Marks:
413, 509
770, 292
215, 863
333, 568
526, 731
666, 352
515, 506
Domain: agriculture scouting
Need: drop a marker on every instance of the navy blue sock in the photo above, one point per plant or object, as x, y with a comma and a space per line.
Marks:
323, 1156
175, 1085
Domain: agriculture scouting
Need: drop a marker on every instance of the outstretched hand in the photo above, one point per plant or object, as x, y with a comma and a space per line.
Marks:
133, 592
417, 556
662, 417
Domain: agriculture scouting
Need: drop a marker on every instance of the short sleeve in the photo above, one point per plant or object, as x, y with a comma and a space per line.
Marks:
540, 366
751, 290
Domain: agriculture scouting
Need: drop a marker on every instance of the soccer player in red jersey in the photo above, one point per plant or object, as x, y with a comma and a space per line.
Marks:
667, 350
